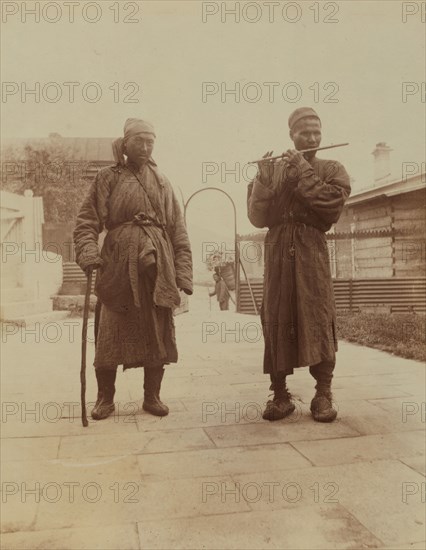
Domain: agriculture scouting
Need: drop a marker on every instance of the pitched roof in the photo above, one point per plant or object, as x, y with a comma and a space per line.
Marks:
396, 187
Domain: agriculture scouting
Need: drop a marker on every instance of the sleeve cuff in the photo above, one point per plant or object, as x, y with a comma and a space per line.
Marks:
260, 191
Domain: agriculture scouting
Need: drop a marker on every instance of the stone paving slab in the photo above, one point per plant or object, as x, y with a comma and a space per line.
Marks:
353, 360
309, 527
113, 537
17, 515
142, 442
392, 379
367, 392
417, 463
69, 427
213, 413
143, 501
408, 546
82, 469
32, 485
363, 448
200, 418
362, 488
411, 408
30, 448
228, 462
227, 405
305, 428
369, 418
410, 388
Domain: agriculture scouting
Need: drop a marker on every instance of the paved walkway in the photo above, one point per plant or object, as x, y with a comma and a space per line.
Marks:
212, 474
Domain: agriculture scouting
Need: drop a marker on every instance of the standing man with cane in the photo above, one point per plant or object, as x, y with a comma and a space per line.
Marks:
145, 260
298, 198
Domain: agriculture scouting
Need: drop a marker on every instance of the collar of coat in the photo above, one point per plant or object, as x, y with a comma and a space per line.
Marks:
153, 166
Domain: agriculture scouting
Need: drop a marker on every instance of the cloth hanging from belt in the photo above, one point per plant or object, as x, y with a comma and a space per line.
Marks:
118, 281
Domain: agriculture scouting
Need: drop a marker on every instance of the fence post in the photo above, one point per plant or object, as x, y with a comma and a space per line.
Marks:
31, 246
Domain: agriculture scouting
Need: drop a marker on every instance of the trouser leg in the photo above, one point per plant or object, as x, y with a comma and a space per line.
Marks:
322, 405
278, 381
323, 374
153, 376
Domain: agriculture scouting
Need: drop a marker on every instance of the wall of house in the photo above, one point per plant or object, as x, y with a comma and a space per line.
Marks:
30, 276
409, 219
400, 255
343, 247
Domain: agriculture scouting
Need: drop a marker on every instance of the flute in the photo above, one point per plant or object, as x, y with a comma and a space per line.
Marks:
302, 151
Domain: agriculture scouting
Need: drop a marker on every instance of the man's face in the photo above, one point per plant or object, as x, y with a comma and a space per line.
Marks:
139, 148
306, 134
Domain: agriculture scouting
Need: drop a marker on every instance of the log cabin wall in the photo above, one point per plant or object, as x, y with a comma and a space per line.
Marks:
389, 238
409, 221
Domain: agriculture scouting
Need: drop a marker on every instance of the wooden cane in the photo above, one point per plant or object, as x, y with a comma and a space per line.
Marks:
253, 299
84, 347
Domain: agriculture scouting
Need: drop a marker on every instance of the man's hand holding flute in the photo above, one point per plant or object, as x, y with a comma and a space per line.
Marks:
266, 167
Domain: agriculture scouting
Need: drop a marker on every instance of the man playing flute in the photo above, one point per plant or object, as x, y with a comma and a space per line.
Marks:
298, 198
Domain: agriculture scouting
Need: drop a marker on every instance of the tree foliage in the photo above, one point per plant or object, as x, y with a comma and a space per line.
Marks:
49, 169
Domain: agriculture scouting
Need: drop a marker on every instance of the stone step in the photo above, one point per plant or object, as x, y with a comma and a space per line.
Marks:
17, 294
12, 310
39, 318
73, 302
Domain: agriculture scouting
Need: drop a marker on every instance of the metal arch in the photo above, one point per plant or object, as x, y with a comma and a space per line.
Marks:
237, 252
185, 204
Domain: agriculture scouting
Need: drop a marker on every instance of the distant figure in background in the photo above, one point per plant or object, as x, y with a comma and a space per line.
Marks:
221, 291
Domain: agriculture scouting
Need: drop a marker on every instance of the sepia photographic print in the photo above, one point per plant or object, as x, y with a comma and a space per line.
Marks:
213, 275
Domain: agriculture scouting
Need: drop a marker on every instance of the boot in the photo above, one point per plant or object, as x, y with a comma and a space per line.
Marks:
104, 405
322, 404
152, 385
282, 405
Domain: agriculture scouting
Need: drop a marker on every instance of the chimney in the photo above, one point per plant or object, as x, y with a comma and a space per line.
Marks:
382, 169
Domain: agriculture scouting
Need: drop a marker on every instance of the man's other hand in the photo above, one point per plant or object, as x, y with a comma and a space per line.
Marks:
266, 170
92, 266
187, 291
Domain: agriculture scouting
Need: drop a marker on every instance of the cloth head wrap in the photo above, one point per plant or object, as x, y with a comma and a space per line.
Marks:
134, 126
298, 114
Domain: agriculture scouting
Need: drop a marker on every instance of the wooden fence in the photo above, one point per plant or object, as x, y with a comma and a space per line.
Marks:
393, 295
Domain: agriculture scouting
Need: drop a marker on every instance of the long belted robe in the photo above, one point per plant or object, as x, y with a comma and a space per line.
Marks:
136, 327
298, 205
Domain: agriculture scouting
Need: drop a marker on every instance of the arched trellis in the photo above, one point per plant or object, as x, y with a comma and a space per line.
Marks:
236, 249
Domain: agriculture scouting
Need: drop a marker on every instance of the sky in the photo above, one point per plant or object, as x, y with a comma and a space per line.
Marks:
352, 70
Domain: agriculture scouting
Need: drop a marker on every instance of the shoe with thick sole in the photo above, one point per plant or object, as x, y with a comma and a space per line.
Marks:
322, 407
